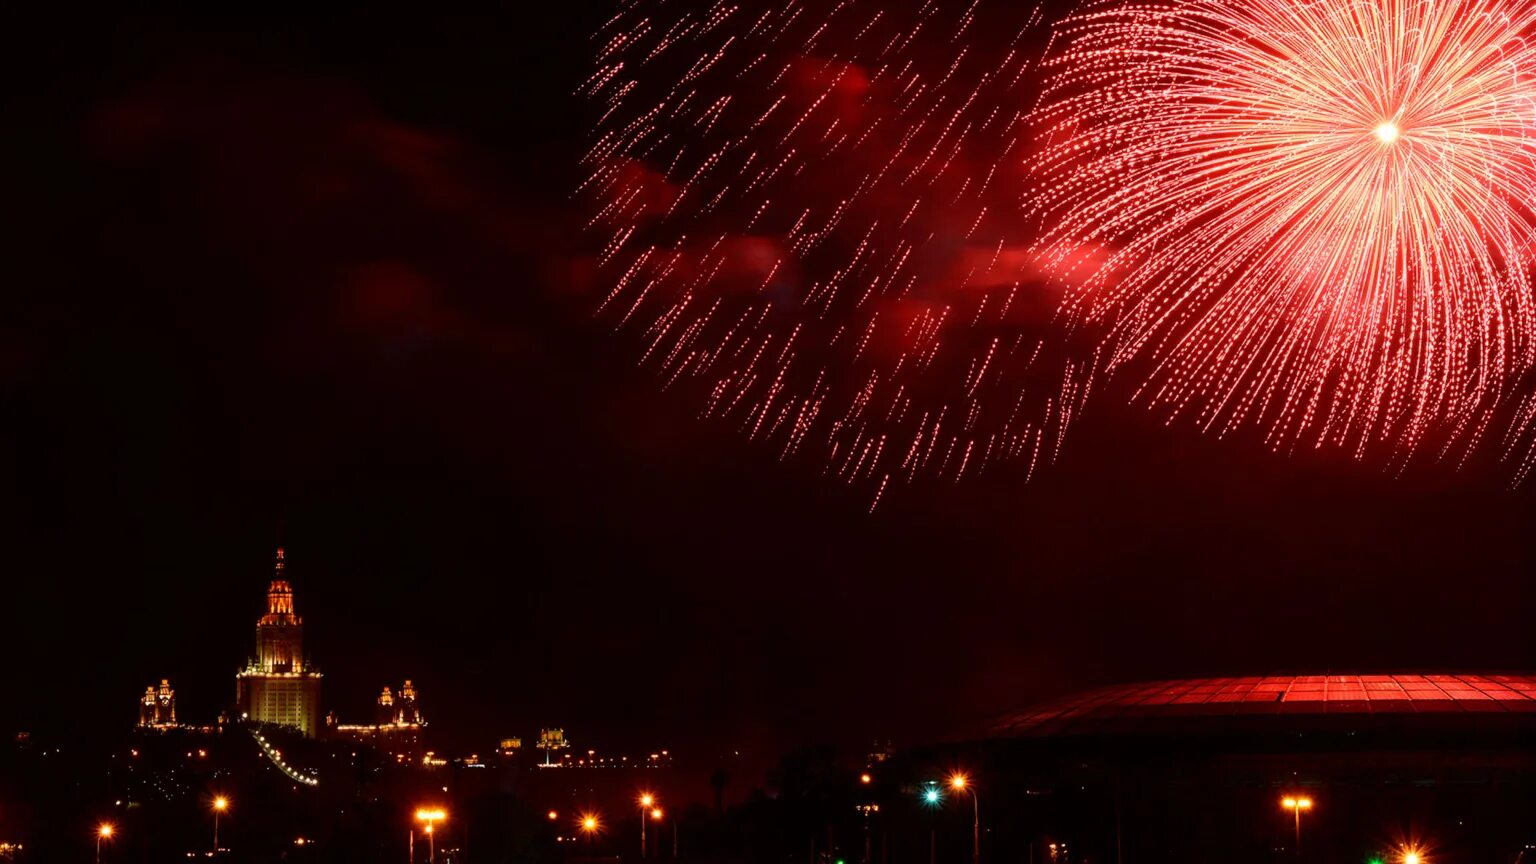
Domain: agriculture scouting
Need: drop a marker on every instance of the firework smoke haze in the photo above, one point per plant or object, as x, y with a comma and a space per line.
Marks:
813, 220
1317, 214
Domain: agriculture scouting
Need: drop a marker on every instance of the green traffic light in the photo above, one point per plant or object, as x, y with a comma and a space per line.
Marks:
1375, 859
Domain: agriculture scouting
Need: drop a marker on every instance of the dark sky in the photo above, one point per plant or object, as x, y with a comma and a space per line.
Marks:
319, 281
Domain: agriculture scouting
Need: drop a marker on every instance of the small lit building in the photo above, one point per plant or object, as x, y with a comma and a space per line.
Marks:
398, 727
551, 740
157, 708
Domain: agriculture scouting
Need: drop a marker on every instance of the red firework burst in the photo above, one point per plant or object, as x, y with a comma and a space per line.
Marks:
1318, 215
812, 213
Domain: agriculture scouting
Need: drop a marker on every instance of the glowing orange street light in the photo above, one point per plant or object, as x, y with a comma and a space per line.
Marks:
656, 814
553, 815
1412, 855
961, 783
646, 800
431, 816
1296, 804
220, 804
866, 779
590, 826
103, 832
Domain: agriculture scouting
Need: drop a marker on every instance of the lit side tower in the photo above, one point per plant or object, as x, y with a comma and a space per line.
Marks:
278, 686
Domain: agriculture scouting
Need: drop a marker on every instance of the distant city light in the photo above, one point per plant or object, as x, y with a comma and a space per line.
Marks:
866, 779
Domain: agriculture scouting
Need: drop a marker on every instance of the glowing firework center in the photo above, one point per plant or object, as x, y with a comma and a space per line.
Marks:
1277, 257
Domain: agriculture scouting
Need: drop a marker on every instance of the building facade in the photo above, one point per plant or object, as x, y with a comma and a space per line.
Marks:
398, 725
157, 708
279, 685
1394, 767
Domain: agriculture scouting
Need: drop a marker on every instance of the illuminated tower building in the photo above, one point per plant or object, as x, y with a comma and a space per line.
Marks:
397, 727
157, 710
406, 712
386, 713
278, 686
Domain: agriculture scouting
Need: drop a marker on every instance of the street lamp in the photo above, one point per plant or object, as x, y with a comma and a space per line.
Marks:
103, 832
961, 783
431, 816
1296, 804
646, 800
220, 804
932, 799
590, 826
1413, 855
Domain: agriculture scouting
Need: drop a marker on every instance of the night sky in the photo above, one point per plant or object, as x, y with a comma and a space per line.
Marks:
320, 281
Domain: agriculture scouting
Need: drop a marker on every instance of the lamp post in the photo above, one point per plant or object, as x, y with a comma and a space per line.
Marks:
646, 800
1297, 804
867, 809
220, 804
961, 783
590, 825
103, 832
933, 799
656, 814
431, 816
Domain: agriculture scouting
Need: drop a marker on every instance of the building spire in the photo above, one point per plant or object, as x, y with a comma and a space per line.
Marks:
279, 594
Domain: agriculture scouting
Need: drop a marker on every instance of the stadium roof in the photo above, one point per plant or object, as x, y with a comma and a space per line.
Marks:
1138, 705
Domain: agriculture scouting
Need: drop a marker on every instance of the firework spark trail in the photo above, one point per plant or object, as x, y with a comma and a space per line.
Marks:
1316, 216
812, 218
